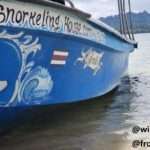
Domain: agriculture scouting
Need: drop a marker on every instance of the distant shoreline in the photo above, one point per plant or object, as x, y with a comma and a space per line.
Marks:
142, 32
140, 21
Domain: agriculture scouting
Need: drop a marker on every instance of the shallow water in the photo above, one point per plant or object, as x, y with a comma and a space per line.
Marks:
104, 124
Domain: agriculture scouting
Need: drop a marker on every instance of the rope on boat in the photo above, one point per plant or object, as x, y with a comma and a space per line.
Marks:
126, 26
120, 17
126, 21
130, 19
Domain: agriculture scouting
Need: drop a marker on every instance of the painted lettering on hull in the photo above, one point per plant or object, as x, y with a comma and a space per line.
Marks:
46, 18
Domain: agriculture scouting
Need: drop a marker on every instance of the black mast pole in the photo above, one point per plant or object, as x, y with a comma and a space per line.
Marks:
127, 30
120, 17
130, 19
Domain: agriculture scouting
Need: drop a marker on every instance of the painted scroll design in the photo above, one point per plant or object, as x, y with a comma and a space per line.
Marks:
3, 85
34, 83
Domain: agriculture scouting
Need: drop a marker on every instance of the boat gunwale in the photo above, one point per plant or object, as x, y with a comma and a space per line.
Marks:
111, 30
85, 15
82, 15
98, 44
78, 12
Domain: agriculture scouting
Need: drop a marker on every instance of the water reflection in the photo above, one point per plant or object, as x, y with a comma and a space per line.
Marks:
73, 124
88, 125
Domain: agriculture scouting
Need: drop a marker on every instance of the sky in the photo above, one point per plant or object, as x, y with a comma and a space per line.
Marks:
103, 8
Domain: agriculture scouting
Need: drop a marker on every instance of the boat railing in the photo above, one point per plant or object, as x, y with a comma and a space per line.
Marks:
60, 6
126, 26
70, 3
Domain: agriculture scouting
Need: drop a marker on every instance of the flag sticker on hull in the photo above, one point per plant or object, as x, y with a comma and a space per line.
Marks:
59, 57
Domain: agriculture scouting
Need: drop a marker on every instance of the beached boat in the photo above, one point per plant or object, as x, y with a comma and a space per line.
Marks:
52, 54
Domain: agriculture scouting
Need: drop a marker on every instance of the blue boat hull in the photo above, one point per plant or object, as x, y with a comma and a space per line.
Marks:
59, 63
43, 83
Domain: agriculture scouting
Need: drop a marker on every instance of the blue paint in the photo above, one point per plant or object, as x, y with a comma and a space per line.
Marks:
32, 80
10, 66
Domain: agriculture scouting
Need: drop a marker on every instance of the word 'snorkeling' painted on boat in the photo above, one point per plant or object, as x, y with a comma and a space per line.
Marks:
33, 83
43, 18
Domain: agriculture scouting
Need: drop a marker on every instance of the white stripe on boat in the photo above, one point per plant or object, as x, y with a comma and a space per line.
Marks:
58, 62
3, 85
61, 53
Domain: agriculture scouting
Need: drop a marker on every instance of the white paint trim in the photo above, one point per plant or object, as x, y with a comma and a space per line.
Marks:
61, 53
3, 85
58, 62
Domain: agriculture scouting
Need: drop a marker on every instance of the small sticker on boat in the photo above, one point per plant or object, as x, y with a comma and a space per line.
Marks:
91, 59
3, 85
59, 57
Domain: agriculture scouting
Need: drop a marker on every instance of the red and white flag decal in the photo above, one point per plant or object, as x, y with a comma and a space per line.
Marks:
59, 57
